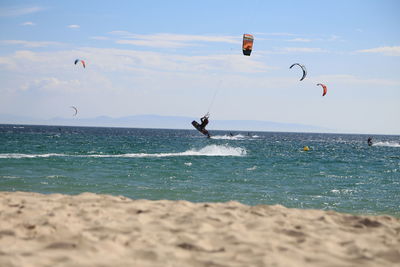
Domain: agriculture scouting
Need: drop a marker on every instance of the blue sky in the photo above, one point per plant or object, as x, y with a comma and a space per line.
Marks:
172, 57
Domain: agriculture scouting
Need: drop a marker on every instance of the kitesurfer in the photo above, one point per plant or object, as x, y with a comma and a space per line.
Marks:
202, 127
369, 141
204, 121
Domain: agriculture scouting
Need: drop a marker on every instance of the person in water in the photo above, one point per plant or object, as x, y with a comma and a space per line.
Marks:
369, 141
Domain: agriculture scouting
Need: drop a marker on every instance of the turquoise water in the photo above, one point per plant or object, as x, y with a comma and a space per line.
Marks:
340, 172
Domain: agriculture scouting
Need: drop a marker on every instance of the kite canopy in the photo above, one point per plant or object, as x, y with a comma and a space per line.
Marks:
248, 40
325, 89
303, 68
79, 60
76, 110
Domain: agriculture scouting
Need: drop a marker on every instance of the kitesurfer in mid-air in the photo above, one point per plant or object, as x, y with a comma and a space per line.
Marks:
202, 127
204, 121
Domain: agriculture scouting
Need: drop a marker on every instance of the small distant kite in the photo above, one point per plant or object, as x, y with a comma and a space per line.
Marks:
76, 110
248, 40
303, 68
325, 89
79, 60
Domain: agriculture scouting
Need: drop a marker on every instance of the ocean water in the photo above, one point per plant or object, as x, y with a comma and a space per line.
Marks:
339, 172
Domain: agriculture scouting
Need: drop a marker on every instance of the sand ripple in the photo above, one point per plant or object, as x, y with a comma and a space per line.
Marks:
103, 230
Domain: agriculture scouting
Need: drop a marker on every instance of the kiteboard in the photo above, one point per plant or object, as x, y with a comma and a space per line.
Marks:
197, 126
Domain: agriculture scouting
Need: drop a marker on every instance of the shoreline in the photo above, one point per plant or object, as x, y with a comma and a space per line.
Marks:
92, 229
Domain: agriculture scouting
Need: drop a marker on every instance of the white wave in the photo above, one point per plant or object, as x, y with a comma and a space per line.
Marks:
220, 150
211, 150
229, 137
343, 191
389, 144
53, 176
252, 168
22, 156
188, 164
9, 177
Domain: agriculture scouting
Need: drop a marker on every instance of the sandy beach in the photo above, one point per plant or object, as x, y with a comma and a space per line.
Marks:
103, 230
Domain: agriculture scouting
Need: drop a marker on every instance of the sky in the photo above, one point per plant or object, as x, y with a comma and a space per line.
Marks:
184, 58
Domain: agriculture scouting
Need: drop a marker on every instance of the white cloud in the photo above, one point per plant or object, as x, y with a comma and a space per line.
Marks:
330, 38
168, 40
276, 34
51, 84
28, 23
120, 33
133, 65
334, 37
8, 62
101, 38
103, 64
73, 26
153, 43
20, 61
385, 50
31, 44
303, 50
301, 40
129, 60
18, 11
180, 37
354, 80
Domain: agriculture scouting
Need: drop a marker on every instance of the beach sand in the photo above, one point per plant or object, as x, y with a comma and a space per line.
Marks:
103, 230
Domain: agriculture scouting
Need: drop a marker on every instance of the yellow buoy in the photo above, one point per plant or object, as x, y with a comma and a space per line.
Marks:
306, 148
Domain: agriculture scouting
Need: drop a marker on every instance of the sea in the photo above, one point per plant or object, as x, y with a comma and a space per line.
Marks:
339, 172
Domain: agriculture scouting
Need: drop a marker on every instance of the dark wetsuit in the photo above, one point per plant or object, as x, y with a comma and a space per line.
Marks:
369, 141
204, 122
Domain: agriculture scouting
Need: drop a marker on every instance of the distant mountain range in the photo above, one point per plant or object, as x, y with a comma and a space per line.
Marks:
167, 122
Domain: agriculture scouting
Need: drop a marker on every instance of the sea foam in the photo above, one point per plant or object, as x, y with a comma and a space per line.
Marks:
228, 137
24, 156
388, 144
210, 150
234, 137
